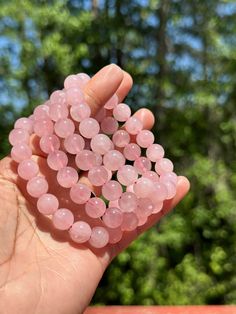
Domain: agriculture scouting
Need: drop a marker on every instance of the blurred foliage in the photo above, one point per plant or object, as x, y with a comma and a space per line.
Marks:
182, 56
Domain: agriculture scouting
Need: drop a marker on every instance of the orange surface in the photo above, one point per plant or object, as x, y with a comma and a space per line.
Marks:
161, 310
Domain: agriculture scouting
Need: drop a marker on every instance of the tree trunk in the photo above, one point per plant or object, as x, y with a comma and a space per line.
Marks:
95, 7
118, 51
162, 15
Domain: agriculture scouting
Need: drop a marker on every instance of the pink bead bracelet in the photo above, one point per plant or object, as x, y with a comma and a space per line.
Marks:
129, 186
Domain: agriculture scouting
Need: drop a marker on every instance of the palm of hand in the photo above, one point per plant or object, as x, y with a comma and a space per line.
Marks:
40, 270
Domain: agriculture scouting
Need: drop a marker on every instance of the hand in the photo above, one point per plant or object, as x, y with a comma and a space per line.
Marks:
40, 270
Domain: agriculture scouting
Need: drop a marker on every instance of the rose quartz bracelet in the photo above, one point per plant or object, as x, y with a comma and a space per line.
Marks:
134, 178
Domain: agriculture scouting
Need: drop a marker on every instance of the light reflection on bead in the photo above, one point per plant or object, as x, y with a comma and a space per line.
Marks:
63, 219
99, 237
49, 143
80, 193
18, 136
37, 186
21, 152
47, 204
80, 232
57, 160
27, 169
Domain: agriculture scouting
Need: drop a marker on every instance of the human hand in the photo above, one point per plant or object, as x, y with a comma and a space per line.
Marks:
40, 270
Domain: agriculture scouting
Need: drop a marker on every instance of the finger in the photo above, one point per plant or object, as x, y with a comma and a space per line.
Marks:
125, 86
121, 92
97, 93
102, 86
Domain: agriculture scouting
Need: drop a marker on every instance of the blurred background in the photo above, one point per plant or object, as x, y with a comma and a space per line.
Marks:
182, 57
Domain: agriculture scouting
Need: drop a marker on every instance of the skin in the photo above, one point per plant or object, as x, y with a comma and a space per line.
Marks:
40, 270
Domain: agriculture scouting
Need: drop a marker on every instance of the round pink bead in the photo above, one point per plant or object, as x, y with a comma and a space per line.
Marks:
99, 237
143, 187
71, 81
169, 176
63, 219
127, 175
58, 97
41, 112
74, 144
130, 221
142, 164
58, 111
145, 138
49, 143
145, 207
112, 102
28, 169
89, 128
164, 165
113, 160
21, 152
157, 207
160, 193
57, 160
122, 112
132, 151
37, 186
83, 79
155, 152
47, 204
128, 202
64, 128
133, 125
74, 96
95, 207
115, 235
109, 125
43, 127
80, 111
152, 175
80, 193
25, 124
67, 177
171, 189
98, 175
113, 217
112, 190
86, 160
18, 136
101, 144
121, 138
142, 220
80, 232
32, 118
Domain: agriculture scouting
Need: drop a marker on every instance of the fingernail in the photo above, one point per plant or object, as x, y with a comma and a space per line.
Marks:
184, 180
111, 70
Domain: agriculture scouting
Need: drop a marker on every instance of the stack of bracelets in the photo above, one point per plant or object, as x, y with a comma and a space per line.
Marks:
131, 177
